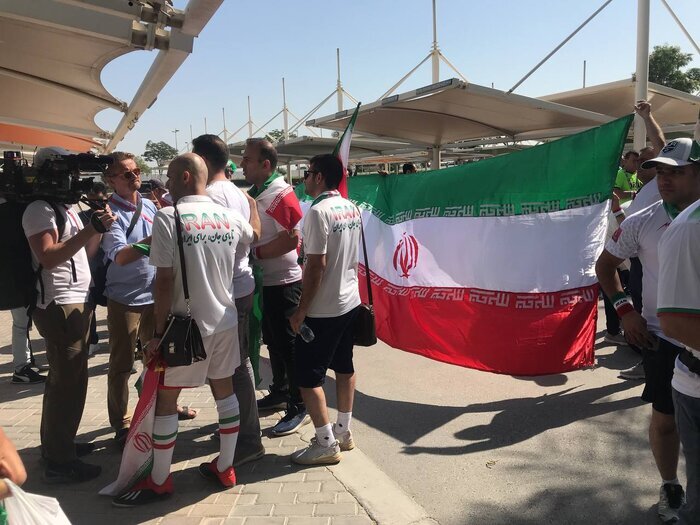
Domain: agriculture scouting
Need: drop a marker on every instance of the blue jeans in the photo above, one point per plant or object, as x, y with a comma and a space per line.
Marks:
20, 345
688, 423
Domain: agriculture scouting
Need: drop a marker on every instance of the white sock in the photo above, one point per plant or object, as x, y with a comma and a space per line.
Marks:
325, 436
164, 436
229, 422
673, 481
343, 423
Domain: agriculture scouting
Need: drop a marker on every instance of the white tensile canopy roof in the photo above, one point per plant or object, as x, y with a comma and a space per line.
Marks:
674, 110
454, 110
52, 54
303, 148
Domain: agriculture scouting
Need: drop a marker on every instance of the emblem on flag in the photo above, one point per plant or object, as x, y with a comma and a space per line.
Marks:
406, 255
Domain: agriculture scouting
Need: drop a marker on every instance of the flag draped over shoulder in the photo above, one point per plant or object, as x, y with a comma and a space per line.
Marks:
490, 265
342, 151
137, 458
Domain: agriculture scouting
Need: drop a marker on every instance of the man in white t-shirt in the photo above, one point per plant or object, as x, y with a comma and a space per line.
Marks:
222, 191
329, 302
60, 247
210, 235
275, 253
638, 236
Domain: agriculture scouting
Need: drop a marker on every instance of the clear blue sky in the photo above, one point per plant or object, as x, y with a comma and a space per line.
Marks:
249, 46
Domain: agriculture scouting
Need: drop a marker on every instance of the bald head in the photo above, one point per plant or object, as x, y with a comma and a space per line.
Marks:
187, 175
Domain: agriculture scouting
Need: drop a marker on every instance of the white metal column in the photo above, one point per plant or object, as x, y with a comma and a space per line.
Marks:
642, 75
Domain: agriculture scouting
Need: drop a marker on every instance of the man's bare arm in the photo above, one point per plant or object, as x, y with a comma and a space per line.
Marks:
654, 133
285, 242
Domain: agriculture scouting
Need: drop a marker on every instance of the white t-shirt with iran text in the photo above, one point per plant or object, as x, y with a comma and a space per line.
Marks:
211, 234
332, 228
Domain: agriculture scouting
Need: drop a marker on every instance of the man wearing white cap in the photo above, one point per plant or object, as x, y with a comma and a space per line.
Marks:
638, 236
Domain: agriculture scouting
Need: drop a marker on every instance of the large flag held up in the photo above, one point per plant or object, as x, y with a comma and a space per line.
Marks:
490, 265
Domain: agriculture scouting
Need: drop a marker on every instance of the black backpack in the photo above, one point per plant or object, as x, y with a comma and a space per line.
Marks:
18, 278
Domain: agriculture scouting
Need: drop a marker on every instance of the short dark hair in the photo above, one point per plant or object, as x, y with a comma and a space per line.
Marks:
98, 187
265, 149
630, 153
330, 167
212, 149
409, 168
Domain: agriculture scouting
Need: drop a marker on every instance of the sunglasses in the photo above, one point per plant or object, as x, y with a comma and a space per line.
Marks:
131, 174
310, 172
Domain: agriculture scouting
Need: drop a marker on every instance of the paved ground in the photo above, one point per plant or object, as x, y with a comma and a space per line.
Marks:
270, 491
468, 447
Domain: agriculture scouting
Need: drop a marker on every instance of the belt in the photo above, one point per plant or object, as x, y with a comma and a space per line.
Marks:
690, 361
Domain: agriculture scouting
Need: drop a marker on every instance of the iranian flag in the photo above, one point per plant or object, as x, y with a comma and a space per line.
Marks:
490, 265
342, 151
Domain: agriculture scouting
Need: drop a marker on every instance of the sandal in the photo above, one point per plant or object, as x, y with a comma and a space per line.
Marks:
184, 413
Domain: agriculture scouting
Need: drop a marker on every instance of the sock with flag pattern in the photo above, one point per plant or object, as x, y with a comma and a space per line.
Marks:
229, 416
164, 436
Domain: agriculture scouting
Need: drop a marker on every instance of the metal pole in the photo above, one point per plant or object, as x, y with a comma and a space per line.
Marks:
339, 85
250, 121
175, 131
435, 53
225, 131
285, 115
559, 46
680, 24
435, 164
584, 73
205, 126
641, 85
191, 138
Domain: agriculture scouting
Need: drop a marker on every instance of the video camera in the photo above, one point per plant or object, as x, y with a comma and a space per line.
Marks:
58, 177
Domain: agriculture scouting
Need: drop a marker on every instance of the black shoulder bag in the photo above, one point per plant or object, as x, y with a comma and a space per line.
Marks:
181, 343
365, 329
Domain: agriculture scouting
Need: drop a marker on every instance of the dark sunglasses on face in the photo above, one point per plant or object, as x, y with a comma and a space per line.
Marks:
310, 172
131, 174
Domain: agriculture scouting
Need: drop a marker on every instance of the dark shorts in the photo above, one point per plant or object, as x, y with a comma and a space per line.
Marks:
658, 369
331, 348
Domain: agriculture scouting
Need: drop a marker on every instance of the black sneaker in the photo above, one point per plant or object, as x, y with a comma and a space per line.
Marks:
74, 472
145, 492
27, 376
275, 400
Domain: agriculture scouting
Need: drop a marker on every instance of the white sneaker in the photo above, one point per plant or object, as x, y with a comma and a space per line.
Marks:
317, 454
617, 339
636, 372
345, 441
93, 348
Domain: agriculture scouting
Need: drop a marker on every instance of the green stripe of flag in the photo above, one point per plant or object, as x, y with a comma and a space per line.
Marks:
226, 420
571, 172
156, 437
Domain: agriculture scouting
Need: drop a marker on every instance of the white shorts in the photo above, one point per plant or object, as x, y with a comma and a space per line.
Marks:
223, 357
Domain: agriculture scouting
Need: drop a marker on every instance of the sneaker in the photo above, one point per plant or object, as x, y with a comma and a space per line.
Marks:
246, 456
275, 400
73, 472
226, 479
617, 339
144, 492
92, 349
344, 440
317, 454
292, 421
27, 376
636, 372
671, 499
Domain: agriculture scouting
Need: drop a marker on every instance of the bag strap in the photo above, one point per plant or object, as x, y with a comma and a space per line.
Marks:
135, 218
181, 249
364, 252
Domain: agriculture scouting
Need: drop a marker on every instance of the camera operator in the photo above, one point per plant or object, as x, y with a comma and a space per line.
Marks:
62, 317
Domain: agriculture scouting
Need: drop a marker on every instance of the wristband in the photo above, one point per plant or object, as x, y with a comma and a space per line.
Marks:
622, 304
619, 213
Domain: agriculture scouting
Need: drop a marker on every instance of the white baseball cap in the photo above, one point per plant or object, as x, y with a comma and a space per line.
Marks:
677, 152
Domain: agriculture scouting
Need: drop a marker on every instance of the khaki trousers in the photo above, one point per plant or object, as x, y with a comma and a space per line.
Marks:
65, 329
126, 324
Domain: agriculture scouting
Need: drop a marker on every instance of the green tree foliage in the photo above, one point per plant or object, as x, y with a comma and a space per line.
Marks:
666, 65
141, 163
276, 134
159, 152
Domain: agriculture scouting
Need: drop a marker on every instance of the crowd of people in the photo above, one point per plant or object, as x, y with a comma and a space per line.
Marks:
226, 237
310, 299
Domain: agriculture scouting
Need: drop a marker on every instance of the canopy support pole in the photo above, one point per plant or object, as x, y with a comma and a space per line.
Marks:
641, 84
680, 24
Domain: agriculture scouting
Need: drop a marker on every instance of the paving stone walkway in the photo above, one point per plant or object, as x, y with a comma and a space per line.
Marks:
270, 491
